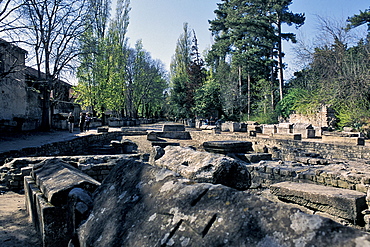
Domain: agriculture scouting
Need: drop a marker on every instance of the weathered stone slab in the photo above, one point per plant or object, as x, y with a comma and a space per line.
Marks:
49, 221
306, 130
56, 178
296, 137
173, 127
360, 141
206, 167
225, 147
230, 126
152, 136
181, 135
269, 129
140, 205
346, 204
257, 157
285, 128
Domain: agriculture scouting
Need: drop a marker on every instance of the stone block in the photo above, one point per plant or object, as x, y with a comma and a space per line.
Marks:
359, 141
346, 204
230, 126
56, 178
257, 157
102, 129
297, 137
181, 135
225, 147
155, 207
269, 129
205, 167
285, 128
173, 127
50, 221
152, 136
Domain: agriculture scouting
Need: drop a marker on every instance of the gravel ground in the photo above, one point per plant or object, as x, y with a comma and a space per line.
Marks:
16, 230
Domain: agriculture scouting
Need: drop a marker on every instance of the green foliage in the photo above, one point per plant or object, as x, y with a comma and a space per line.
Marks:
354, 114
270, 117
187, 75
360, 19
245, 54
207, 99
114, 76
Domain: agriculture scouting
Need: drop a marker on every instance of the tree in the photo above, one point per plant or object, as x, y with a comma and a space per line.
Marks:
338, 75
55, 27
248, 36
279, 14
360, 19
179, 76
92, 56
9, 15
103, 60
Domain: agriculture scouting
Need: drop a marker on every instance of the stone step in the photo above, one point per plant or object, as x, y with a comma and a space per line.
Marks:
343, 203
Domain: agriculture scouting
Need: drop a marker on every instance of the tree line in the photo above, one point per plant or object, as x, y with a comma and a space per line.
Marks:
242, 78
239, 78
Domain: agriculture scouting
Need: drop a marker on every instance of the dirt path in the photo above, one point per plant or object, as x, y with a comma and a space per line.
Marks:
15, 228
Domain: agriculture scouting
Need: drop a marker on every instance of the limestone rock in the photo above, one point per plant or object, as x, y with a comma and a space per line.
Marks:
141, 205
206, 167
56, 178
343, 203
156, 153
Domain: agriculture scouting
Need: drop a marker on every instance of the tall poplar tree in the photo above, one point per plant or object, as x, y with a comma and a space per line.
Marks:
179, 76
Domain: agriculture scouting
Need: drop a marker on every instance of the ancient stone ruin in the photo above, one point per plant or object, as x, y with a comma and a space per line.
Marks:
234, 190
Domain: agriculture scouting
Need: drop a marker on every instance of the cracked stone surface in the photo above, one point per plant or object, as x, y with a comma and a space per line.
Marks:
206, 167
142, 205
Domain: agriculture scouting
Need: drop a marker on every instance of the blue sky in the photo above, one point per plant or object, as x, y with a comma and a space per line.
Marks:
159, 22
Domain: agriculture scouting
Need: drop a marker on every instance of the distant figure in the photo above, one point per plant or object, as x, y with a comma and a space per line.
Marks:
82, 121
71, 122
87, 122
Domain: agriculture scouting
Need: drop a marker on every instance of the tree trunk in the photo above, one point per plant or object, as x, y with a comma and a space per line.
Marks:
280, 59
249, 96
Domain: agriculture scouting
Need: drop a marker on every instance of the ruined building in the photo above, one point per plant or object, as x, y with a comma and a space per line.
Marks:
20, 93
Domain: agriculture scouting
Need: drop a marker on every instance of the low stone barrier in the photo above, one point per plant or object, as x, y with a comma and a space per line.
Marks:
181, 135
55, 212
173, 127
346, 204
296, 137
96, 166
77, 146
290, 149
269, 129
341, 139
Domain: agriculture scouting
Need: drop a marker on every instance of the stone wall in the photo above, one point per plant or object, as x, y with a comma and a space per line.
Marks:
325, 117
96, 166
290, 149
79, 145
